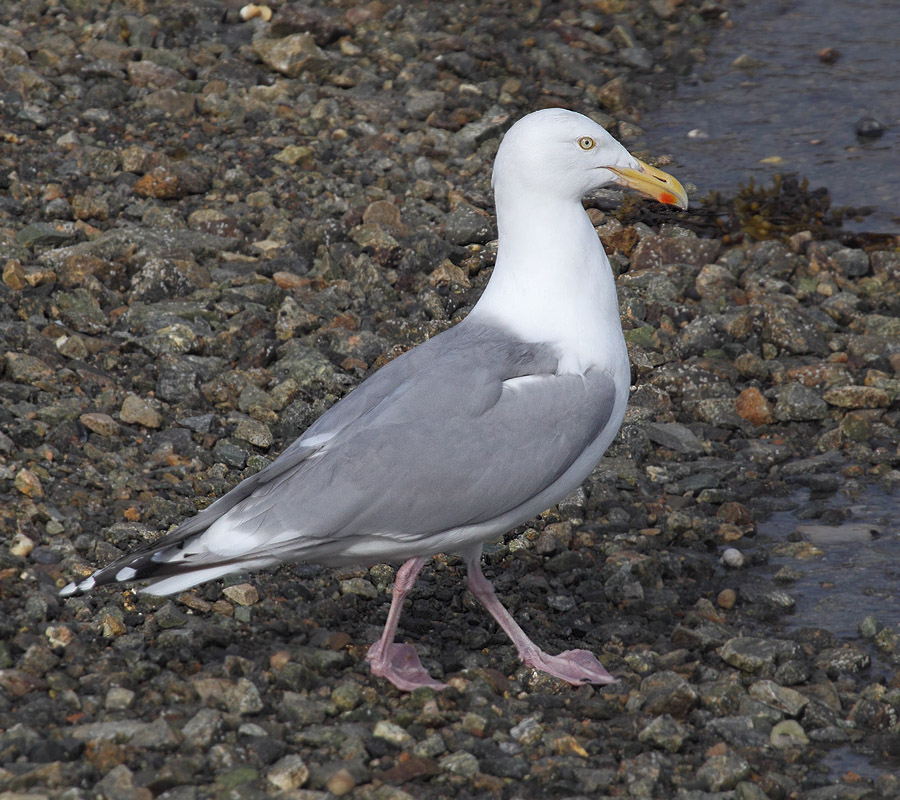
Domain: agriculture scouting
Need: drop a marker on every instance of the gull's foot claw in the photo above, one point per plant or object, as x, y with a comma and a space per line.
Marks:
399, 663
573, 666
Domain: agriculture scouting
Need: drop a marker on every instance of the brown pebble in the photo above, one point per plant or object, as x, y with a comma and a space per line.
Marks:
340, 783
752, 406
102, 424
828, 55
28, 483
289, 280
726, 599
244, 594
113, 626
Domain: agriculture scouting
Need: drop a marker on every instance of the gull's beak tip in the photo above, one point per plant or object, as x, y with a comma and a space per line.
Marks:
654, 183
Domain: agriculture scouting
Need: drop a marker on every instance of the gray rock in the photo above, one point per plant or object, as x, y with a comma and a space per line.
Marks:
460, 763
752, 654
243, 698
738, 731
845, 659
663, 732
200, 730
791, 331
787, 700
721, 773
798, 403
853, 263
788, 733
492, 123
668, 693
675, 436
81, 312
300, 709
45, 234
293, 55
468, 225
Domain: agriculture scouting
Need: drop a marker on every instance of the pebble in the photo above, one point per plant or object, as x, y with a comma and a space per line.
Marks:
288, 773
733, 558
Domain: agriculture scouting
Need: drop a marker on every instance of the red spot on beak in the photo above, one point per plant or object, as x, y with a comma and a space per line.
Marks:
665, 197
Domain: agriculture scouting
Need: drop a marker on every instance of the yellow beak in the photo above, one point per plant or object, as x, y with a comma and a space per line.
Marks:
654, 183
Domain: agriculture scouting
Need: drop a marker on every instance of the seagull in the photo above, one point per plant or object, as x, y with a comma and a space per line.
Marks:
464, 437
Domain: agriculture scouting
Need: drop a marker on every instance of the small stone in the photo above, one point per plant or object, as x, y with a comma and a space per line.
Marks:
243, 594
726, 599
139, 411
59, 635
254, 432
288, 773
385, 213
752, 406
200, 729
171, 182
869, 627
346, 696
855, 426
528, 732
292, 55
359, 587
295, 154
449, 273
102, 424
788, 700
848, 658
663, 732
72, 347
668, 693
112, 627
466, 224
118, 784
674, 436
251, 10
802, 551
119, 698
23, 368
733, 558
721, 773
460, 763
14, 275
857, 397
21, 545
169, 616
798, 403
393, 734
752, 654
243, 697
28, 484
788, 733
340, 783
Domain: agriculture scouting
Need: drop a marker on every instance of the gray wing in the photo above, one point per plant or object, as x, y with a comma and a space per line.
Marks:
469, 429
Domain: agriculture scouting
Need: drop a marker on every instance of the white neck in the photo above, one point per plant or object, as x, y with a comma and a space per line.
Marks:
552, 282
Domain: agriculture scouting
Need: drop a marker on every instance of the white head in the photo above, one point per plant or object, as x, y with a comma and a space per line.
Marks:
563, 155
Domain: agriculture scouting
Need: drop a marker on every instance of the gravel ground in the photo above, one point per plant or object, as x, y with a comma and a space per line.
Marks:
212, 229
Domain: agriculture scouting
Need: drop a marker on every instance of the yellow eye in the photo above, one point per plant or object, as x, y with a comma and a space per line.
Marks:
586, 142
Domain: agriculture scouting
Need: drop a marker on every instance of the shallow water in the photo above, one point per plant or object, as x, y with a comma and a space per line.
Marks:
858, 575
724, 125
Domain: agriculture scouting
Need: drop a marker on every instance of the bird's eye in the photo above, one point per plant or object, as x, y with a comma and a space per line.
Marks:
586, 143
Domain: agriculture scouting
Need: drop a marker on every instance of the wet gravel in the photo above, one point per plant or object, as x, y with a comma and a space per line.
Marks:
211, 229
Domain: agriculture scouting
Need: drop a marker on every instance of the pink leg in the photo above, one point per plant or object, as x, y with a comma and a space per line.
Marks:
399, 663
573, 666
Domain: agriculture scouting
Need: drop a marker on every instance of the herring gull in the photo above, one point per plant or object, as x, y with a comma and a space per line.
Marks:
467, 435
